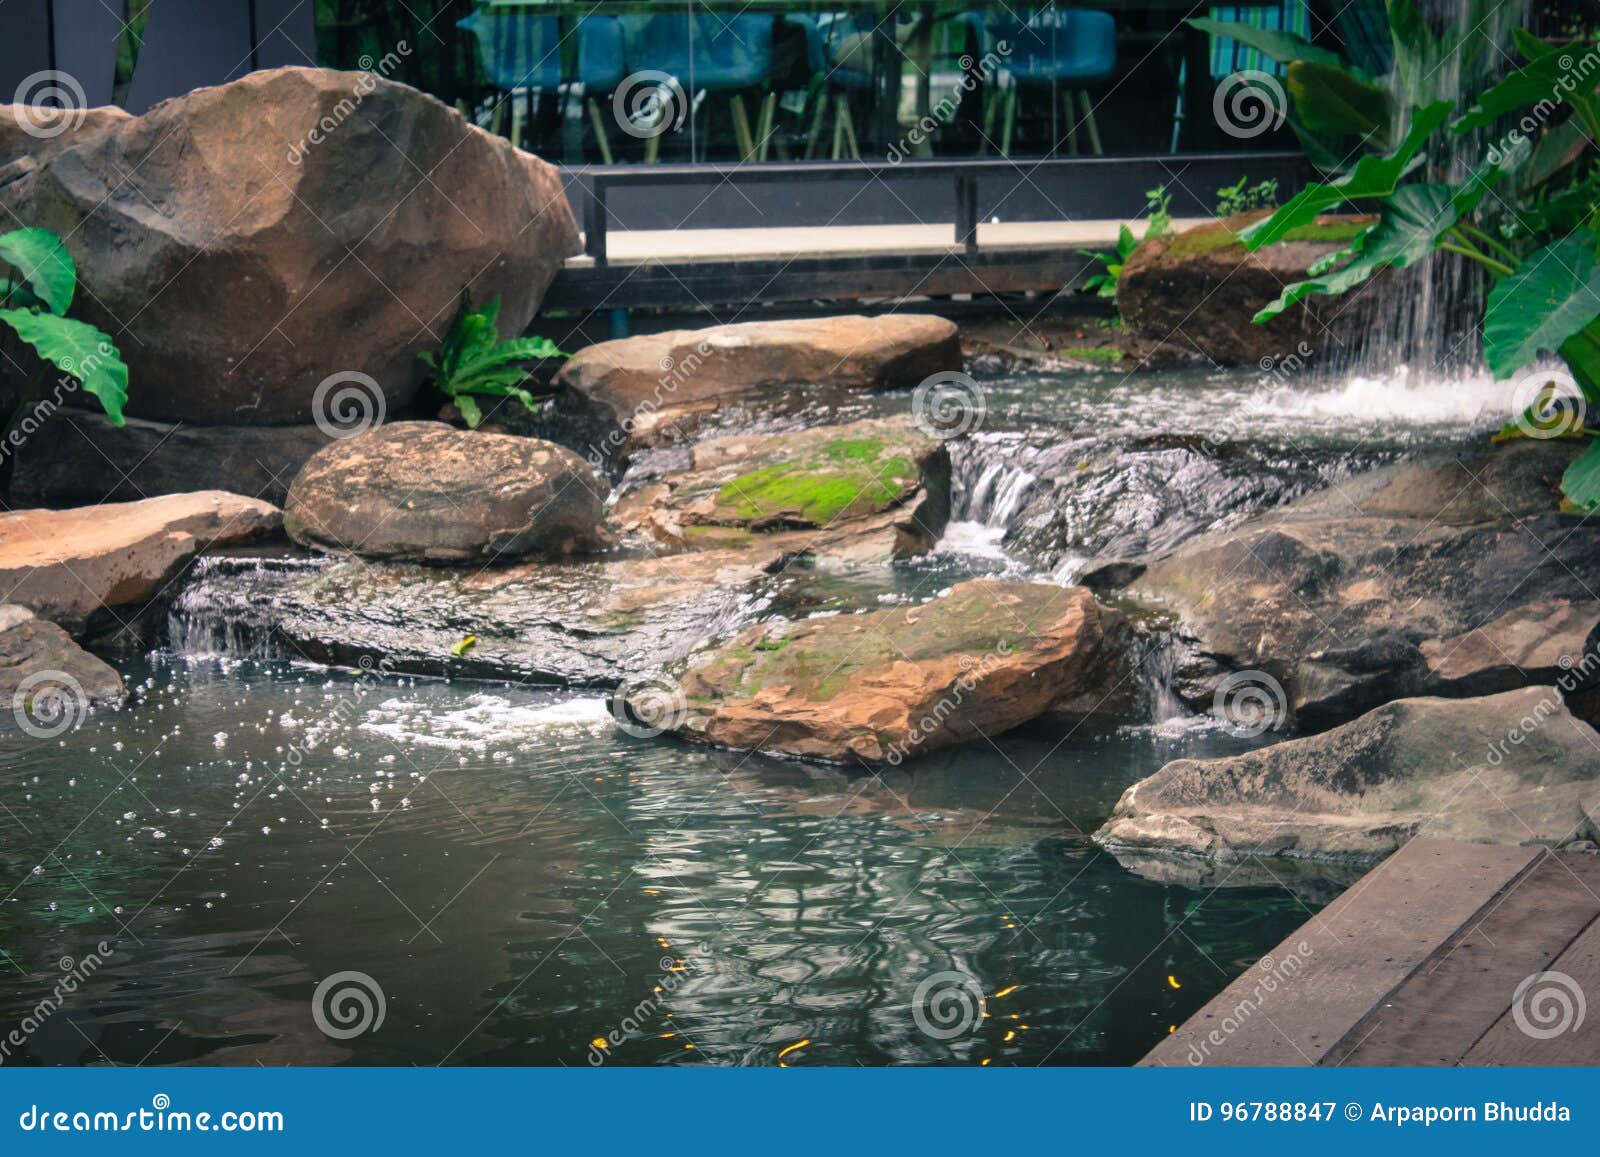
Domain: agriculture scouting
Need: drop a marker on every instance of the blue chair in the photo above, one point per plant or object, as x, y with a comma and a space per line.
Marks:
1066, 48
521, 52
830, 41
715, 54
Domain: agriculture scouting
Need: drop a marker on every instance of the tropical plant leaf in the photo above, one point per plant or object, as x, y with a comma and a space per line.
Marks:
1417, 50
1337, 102
1410, 225
1580, 483
1581, 352
1558, 148
1536, 83
79, 349
469, 410
1371, 177
17, 295
1273, 43
473, 360
1554, 294
45, 265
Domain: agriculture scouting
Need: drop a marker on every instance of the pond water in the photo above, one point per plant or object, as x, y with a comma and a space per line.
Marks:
519, 879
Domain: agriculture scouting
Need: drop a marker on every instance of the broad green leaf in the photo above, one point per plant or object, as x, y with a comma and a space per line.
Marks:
1126, 243
1372, 177
1416, 50
1558, 148
16, 295
44, 263
469, 410
1581, 352
1337, 102
1411, 224
1273, 43
1554, 294
78, 349
1544, 81
1531, 47
1580, 484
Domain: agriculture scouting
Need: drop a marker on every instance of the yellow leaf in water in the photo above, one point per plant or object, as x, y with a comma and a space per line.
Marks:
464, 645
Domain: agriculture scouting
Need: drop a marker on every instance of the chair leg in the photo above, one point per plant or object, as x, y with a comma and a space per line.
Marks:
1070, 112
652, 149
991, 105
849, 130
741, 129
497, 119
838, 126
819, 117
769, 108
1010, 124
599, 124
1094, 127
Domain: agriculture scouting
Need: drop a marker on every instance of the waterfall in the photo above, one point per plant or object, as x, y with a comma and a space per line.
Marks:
219, 609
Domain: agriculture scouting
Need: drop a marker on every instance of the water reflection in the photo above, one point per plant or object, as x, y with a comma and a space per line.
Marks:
522, 880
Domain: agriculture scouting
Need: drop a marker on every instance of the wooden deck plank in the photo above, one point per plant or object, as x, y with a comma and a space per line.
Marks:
1358, 950
1458, 995
1506, 1043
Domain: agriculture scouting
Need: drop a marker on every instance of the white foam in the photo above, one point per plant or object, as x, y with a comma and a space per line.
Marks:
484, 719
1397, 399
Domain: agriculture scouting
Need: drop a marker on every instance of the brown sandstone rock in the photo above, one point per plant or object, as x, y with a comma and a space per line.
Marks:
46, 680
245, 242
427, 492
66, 564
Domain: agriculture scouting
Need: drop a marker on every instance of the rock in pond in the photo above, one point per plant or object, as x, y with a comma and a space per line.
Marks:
829, 477
78, 456
427, 492
618, 395
888, 685
237, 232
1197, 290
1399, 582
67, 564
47, 680
1516, 767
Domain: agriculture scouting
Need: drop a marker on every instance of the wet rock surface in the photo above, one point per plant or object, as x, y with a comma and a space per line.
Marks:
619, 395
890, 685
1362, 593
46, 678
67, 564
427, 492
1516, 767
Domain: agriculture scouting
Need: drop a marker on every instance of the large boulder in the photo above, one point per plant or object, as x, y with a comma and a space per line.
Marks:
67, 564
829, 477
618, 395
1510, 768
79, 456
1449, 576
427, 492
46, 679
246, 242
1197, 290
889, 685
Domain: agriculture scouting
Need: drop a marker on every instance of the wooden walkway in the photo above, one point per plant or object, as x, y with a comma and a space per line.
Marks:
1426, 960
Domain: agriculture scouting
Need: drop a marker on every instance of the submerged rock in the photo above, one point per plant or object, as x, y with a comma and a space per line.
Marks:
1394, 583
1511, 768
889, 685
831, 478
618, 395
46, 679
427, 492
1197, 290
67, 564
240, 233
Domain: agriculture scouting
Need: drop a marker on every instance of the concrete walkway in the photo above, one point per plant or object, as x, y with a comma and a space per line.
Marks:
1445, 954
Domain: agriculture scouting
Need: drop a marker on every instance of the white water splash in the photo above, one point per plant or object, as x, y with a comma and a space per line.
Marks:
485, 720
1465, 403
